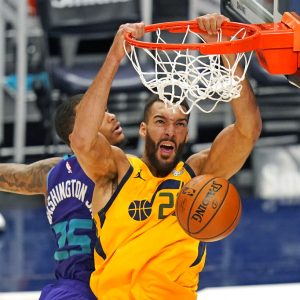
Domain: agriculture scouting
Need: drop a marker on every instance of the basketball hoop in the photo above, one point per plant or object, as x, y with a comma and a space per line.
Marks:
195, 71
182, 73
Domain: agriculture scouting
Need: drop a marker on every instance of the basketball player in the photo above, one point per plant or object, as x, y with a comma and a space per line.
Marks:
141, 251
68, 195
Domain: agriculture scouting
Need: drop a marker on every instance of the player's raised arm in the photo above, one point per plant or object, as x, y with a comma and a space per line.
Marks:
91, 148
26, 179
232, 146
234, 143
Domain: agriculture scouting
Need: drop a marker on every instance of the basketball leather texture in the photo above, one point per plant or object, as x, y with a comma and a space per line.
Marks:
208, 208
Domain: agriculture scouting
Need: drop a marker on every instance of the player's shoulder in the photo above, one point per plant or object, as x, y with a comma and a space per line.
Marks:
119, 156
136, 161
69, 157
117, 151
55, 163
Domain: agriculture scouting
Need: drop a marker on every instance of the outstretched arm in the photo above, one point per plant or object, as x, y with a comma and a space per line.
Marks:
91, 148
233, 145
26, 179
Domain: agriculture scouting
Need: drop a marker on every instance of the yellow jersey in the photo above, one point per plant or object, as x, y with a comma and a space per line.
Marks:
142, 252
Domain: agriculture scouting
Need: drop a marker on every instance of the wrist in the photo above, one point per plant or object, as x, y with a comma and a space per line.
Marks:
115, 55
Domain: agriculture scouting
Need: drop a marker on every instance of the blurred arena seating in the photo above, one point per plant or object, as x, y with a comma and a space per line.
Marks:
71, 71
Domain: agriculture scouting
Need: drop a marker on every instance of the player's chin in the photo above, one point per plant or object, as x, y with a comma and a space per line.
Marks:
166, 158
118, 138
166, 166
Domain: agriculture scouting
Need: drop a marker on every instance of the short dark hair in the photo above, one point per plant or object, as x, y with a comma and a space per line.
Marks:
65, 117
155, 98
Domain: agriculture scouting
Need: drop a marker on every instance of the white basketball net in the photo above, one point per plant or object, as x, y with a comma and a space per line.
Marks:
179, 75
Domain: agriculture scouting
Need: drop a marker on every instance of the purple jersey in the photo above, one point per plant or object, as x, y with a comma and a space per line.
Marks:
69, 203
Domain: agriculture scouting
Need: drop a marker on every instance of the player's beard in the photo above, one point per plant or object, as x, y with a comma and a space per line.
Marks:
162, 168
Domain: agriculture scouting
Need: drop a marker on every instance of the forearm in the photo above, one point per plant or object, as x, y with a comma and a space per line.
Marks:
90, 113
15, 178
26, 179
233, 145
246, 112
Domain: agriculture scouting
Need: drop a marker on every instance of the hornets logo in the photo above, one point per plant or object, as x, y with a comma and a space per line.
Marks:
140, 210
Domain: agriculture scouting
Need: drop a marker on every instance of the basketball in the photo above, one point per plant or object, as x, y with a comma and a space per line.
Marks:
208, 208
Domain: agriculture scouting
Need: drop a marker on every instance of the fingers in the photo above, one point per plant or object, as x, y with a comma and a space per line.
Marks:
137, 30
211, 23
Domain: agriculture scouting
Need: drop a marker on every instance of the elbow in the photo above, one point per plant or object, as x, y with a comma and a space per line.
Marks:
254, 126
255, 132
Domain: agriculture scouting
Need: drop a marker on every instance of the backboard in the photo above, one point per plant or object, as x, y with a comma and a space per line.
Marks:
258, 11
261, 11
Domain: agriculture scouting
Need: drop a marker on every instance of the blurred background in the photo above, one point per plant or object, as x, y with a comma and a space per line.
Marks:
46, 56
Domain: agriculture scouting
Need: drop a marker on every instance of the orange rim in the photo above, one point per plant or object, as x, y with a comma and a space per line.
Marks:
248, 43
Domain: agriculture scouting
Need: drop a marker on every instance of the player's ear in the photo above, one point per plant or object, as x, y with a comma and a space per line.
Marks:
187, 137
142, 130
70, 136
